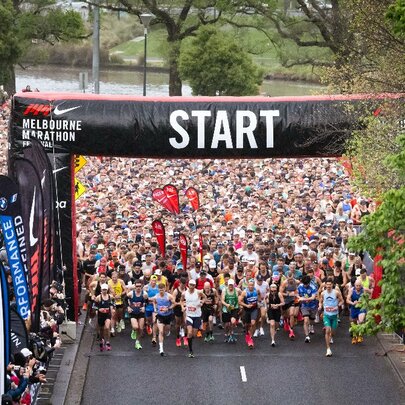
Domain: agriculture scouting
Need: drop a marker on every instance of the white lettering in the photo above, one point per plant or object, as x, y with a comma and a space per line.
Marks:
269, 114
248, 131
218, 136
179, 129
201, 126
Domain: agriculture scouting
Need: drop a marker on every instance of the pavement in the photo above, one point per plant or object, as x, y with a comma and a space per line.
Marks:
370, 373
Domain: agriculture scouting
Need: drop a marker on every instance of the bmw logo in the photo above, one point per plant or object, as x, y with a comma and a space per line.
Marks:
3, 204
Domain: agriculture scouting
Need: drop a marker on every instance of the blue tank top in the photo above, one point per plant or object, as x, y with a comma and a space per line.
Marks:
356, 295
251, 297
163, 304
136, 303
152, 291
330, 303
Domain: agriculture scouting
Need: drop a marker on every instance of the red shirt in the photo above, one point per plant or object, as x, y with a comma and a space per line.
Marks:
200, 283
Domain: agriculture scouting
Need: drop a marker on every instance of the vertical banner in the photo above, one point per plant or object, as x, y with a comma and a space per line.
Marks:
14, 241
18, 332
159, 195
183, 249
4, 329
172, 195
159, 231
31, 203
193, 196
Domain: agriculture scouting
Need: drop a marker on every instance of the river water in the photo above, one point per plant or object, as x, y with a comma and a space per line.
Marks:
62, 79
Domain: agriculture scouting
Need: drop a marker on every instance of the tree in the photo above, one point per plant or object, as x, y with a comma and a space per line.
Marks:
30, 22
181, 19
216, 65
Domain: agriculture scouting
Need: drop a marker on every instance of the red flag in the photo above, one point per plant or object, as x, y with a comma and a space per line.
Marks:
159, 195
201, 248
159, 231
172, 195
192, 195
183, 250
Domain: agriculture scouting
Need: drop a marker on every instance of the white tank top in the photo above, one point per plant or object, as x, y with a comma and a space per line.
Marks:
193, 304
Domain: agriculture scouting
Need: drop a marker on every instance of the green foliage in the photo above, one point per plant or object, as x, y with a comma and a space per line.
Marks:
396, 16
215, 64
385, 234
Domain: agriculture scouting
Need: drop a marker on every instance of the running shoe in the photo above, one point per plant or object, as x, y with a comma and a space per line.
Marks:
256, 334
331, 341
206, 339
122, 324
307, 339
148, 330
359, 339
328, 353
273, 343
168, 333
178, 342
102, 347
133, 335
154, 342
286, 326
227, 339
261, 331
291, 335
311, 329
247, 339
138, 345
84, 306
199, 333
211, 338
234, 340
220, 326
118, 328
354, 340
108, 346
191, 355
251, 343
185, 341
162, 354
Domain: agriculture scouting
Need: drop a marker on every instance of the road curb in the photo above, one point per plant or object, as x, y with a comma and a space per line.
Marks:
394, 350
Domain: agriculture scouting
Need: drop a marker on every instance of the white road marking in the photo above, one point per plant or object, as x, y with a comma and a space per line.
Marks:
243, 373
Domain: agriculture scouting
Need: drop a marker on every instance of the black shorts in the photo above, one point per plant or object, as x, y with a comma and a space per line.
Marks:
165, 319
102, 318
120, 306
194, 321
288, 305
178, 312
139, 315
206, 312
227, 316
249, 315
274, 315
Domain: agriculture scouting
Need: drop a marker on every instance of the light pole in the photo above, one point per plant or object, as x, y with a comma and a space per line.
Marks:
146, 19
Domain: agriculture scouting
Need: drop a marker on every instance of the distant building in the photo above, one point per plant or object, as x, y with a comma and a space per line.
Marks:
79, 6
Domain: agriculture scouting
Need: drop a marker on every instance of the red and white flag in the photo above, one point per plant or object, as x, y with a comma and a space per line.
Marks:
172, 195
159, 195
193, 196
159, 231
183, 250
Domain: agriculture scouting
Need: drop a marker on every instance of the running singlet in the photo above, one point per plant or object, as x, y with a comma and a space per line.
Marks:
211, 300
118, 290
251, 298
152, 291
366, 282
356, 295
193, 304
231, 299
163, 304
330, 303
104, 306
136, 303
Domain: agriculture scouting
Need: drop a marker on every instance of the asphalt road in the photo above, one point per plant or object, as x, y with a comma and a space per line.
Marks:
291, 373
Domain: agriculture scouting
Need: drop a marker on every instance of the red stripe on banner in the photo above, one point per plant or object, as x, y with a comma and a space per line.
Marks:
183, 250
172, 195
159, 195
160, 233
193, 196
74, 247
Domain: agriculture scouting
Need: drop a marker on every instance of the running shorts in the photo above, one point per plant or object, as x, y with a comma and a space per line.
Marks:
227, 316
330, 321
308, 312
206, 312
249, 315
101, 318
139, 315
194, 321
165, 319
274, 315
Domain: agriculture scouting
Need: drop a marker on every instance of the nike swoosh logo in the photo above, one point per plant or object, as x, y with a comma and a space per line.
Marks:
169, 196
58, 170
33, 240
58, 111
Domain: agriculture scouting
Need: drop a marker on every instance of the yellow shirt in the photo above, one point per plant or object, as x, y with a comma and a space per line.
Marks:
118, 290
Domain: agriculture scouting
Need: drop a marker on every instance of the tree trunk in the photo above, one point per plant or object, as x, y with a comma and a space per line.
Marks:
175, 83
7, 78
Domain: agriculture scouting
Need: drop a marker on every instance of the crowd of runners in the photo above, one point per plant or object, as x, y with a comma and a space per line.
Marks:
274, 255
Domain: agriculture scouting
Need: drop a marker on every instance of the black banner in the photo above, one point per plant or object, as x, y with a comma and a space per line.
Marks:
18, 332
4, 329
32, 211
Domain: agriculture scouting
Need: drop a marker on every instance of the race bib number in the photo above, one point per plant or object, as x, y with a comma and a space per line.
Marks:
163, 309
191, 309
330, 309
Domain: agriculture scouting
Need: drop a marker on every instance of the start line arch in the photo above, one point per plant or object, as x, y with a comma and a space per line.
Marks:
71, 124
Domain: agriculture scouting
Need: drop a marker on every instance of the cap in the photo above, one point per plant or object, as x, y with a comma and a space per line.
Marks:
26, 352
138, 264
100, 246
158, 272
231, 281
148, 236
212, 264
104, 286
325, 261
192, 282
259, 277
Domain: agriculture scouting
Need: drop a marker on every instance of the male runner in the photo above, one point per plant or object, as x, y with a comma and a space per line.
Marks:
357, 314
307, 297
136, 309
330, 300
208, 311
248, 300
230, 309
150, 315
117, 287
263, 288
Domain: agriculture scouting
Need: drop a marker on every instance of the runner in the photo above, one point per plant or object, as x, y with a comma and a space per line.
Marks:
178, 311
309, 306
230, 309
263, 288
330, 301
249, 300
208, 310
357, 314
191, 302
164, 303
136, 309
105, 305
118, 289
150, 315
289, 291
275, 302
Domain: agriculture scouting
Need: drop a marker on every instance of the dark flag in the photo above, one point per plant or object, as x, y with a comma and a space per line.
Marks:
159, 195
159, 231
4, 329
193, 196
36, 154
14, 241
30, 192
183, 250
172, 195
18, 332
